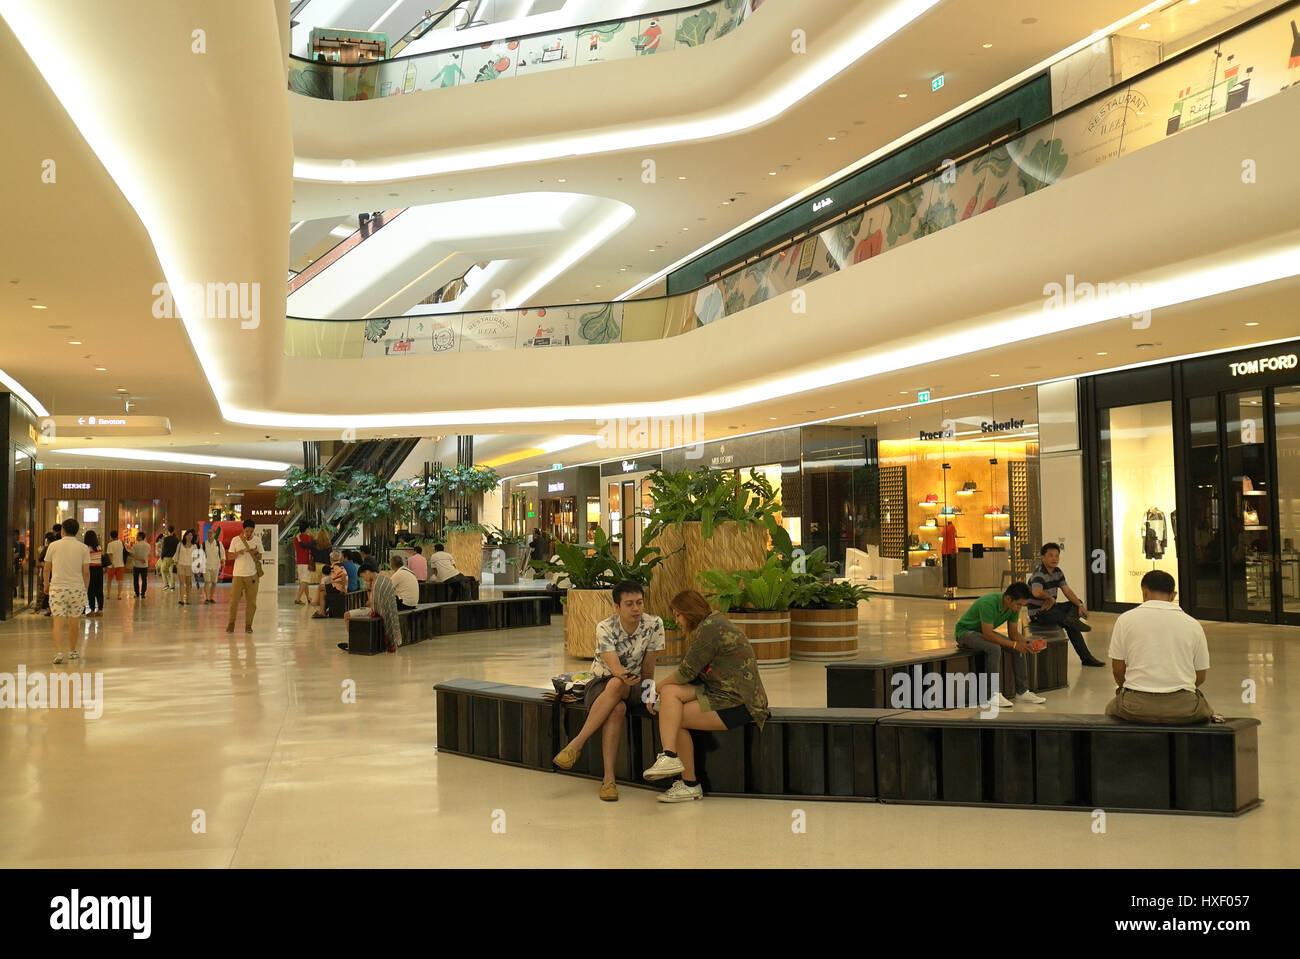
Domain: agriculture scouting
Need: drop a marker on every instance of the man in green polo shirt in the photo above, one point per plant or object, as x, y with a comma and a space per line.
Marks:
977, 630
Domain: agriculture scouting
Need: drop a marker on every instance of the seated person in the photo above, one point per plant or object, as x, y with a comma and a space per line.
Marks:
405, 584
1047, 609
383, 605
1159, 657
717, 686
626, 647
417, 564
333, 581
443, 569
351, 563
977, 630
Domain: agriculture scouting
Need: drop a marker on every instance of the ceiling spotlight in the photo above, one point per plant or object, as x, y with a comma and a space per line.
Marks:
902, 96
1252, 324
1103, 354
987, 46
74, 342
37, 306
681, 178
832, 139
101, 369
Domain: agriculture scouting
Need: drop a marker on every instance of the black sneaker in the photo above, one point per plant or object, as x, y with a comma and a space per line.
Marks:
343, 646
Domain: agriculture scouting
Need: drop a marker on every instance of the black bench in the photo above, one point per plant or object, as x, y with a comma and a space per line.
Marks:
900, 682
955, 758
427, 620
336, 603
555, 595
434, 592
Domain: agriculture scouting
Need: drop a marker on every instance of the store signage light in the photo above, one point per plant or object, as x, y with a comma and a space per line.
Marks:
629, 466
555, 487
1287, 361
76, 486
1001, 427
823, 203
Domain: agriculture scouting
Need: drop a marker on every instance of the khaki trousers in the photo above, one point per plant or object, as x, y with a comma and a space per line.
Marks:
245, 586
1181, 707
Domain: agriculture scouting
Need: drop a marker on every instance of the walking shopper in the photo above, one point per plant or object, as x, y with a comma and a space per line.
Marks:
184, 570
140, 569
247, 553
116, 550
167, 558
302, 544
66, 576
95, 588
198, 566
214, 561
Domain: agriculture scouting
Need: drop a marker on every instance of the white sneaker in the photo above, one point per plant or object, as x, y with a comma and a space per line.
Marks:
75, 655
1002, 703
680, 792
58, 659
665, 767
1029, 696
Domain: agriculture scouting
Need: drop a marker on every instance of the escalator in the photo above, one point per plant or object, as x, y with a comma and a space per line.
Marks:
462, 13
381, 458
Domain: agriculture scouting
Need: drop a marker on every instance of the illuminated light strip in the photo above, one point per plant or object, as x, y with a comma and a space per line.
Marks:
188, 459
1197, 283
907, 138
817, 71
23, 394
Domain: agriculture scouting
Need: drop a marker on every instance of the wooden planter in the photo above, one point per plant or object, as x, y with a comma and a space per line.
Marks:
823, 635
669, 577
731, 549
768, 633
467, 551
674, 648
583, 609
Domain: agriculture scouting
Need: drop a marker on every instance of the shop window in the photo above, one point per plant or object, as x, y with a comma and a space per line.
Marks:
1137, 497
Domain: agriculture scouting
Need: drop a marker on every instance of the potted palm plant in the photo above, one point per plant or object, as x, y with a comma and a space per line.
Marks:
715, 519
590, 571
757, 601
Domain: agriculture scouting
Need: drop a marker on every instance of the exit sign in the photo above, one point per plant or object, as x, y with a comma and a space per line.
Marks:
557, 466
936, 83
923, 396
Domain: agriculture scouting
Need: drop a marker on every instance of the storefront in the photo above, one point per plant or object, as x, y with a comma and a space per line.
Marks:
946, 497
1198, 474
568, 503
18, 427
626, 492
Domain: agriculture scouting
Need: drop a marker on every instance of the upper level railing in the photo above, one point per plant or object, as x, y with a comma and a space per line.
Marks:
580, 46
1202, 85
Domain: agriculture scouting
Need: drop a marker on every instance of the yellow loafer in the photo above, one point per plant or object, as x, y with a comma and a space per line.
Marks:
609, 792
566, 757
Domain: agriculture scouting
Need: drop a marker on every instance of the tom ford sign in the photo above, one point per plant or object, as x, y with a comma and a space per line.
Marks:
1265, 364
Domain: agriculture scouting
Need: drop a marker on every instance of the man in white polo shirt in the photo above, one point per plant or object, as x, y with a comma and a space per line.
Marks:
1159, 656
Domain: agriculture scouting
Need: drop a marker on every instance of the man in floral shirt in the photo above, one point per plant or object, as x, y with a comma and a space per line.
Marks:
627, 645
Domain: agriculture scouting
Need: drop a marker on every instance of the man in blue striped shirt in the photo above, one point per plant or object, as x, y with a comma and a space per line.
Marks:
1045, 610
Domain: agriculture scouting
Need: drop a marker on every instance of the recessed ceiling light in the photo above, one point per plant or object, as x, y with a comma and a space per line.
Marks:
987, 46
681, 178
902, 96
101, 369
830, 138
995, 374
121, 389
563, 180
771, 417
1252, 324
1143, 26
1103, 354
74, 342
771, 173
37, 306
60, 326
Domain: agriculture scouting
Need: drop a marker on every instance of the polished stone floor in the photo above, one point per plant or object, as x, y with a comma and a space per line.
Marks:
217, 750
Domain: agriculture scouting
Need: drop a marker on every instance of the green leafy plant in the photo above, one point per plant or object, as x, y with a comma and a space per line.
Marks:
497, 536
464, 528
771, 588
594, 566
708, 497
824, 594
316, 482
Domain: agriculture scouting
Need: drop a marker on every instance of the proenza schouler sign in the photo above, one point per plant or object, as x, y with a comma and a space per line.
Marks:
1002, 426
1265, 364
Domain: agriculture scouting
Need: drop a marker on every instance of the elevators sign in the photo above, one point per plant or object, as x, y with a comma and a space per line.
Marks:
488, 331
